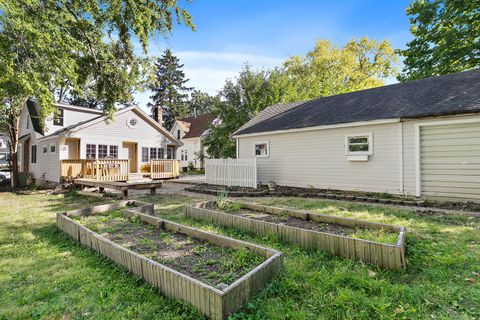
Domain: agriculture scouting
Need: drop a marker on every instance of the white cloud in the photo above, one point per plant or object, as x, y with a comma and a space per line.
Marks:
208, 71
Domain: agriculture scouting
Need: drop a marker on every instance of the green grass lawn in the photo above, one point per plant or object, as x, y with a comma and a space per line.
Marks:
46, 275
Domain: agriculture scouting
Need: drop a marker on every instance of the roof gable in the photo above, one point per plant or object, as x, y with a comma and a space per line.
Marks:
196, 126
444, 95
117, 118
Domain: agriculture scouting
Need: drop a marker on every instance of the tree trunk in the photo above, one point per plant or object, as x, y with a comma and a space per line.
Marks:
13, 130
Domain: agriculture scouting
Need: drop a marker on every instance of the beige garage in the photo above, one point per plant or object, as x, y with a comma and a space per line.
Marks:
450, 160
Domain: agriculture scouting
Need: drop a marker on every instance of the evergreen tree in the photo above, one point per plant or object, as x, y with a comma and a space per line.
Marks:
169, 90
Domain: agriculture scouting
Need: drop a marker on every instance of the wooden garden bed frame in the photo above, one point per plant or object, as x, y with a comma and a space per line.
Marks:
390, 256
210, 301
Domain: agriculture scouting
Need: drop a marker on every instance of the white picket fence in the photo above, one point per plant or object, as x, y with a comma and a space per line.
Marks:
231, 172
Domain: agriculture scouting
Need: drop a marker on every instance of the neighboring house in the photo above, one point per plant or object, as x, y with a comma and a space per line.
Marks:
4, 150
191, 131
82, 133
415, 138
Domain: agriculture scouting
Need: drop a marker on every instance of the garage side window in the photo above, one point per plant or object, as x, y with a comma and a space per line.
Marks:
261, 149
361, 144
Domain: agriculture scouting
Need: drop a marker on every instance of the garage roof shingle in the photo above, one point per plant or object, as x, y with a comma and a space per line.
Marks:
456, 93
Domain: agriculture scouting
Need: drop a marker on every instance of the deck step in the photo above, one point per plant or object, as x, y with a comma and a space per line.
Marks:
137, 177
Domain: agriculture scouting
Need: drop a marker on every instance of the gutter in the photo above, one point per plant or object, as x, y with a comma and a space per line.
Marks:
322, 127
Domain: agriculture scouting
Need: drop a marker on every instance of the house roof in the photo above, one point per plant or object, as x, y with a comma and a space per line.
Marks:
456, 93
88, 122
196, 125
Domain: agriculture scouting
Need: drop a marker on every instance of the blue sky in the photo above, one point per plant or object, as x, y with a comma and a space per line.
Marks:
266, 32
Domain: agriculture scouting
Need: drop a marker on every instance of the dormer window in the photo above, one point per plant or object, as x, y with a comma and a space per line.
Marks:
58, 118
178, 134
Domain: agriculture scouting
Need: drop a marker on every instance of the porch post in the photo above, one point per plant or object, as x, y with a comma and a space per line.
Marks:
83, 170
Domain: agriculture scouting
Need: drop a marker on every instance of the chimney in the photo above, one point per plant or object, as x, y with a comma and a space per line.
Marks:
158, 115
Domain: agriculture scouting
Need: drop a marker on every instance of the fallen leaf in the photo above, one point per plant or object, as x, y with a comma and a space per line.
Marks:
371, 273
471, 280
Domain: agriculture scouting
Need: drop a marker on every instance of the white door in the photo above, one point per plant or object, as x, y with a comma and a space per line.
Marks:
450, 160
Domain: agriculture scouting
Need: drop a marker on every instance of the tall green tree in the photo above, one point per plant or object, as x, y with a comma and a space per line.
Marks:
51, 47
446, 38
328, 70
170, 92
201, 102
241, 99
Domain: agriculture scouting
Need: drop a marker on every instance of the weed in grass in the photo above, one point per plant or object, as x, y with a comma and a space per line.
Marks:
148, 243
222, 199
378, 235
198, 249
166, 237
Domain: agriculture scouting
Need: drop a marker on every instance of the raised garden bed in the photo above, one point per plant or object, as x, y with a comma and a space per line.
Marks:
372, 197
380, 244
214, 273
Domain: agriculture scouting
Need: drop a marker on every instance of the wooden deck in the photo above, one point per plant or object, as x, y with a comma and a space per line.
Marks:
122, 186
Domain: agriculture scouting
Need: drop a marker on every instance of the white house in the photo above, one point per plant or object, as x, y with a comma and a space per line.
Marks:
190, 131
418, 138
81, 133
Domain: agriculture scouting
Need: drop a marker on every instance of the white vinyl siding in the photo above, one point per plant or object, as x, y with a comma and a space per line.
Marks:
317, 158
191, 147
117, 131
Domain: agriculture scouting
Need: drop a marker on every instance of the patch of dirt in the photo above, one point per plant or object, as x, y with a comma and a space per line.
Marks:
293, 221
205, 261
205, 186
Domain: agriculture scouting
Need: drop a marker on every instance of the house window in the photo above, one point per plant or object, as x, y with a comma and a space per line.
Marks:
358, 144
261, 149
53, 148
114, 152
184, 155
145, 154
34, 154
178, 134
45, 149
161, 153
58, 118
102, 151
153, 153
91, 151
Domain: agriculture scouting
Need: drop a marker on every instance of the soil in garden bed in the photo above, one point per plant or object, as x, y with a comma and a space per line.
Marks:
379, 235
210, 263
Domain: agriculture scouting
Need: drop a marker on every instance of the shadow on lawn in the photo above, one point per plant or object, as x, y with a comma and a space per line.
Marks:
97, 276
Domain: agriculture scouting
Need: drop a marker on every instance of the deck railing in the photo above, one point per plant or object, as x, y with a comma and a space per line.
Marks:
164, 169
104, 169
